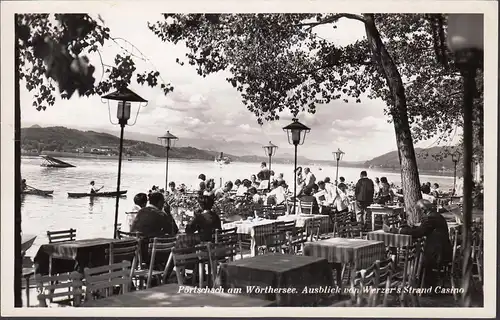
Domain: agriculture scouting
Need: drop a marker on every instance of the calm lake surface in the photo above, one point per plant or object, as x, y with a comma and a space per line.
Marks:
95, 218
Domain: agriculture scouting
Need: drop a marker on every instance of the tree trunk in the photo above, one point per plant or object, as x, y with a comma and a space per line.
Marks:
409, 171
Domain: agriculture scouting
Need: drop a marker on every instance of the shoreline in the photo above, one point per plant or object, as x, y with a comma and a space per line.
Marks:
151, 158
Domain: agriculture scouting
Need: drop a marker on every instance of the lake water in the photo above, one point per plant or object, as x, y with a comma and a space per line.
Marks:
95, 218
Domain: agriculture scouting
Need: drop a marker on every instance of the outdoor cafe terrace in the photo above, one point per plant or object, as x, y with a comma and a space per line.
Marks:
270, 257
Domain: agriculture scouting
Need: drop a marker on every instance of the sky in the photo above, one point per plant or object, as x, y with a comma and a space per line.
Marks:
210, 107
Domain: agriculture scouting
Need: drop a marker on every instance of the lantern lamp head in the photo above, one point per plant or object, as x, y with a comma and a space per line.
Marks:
338, 154
296, 132
465, 31
270, 149
167, 140
455, 157
125, 97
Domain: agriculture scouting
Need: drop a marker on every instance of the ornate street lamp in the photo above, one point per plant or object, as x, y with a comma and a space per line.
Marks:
270, 150
455, 157
296, 132
465, 39
338, 156
168, 141
125, 97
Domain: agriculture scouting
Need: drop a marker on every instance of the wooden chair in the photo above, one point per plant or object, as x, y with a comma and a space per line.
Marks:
190, 258
296, 240
477, 250
49, 287
61, 235
138, 236
219, 253
312, 227
260, 235
363, 287
285, 226
127, 250
162, 246
106, 279
409, 265
229, 238
305, 207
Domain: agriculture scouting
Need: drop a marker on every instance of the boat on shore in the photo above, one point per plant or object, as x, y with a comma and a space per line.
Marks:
43, 193
97, 194
27, 241
51, 162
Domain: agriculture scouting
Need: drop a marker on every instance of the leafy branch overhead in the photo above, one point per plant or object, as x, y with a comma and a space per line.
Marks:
280, 62
53, 51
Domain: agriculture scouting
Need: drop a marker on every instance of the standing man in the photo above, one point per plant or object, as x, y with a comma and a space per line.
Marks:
310, 179
364, 196
263, 176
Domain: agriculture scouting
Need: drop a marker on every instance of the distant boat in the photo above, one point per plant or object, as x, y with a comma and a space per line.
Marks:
97, 194
222, 160
51, 162
38, 192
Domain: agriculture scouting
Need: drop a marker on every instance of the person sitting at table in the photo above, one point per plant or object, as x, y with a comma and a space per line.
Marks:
323, 196
438, 249
427, 196
256, 198
253, 180
205, 222
243, 189
140, 201
309, 198
220, 192
435, 191
152, 221
279, 192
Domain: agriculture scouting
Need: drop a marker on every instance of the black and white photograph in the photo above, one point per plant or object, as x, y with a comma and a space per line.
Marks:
318, 155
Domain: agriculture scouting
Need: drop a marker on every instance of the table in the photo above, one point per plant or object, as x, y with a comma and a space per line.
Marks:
359, 252
172, 295
279, 271
300, 220
247, 228
390, 239
72, 255
383, 210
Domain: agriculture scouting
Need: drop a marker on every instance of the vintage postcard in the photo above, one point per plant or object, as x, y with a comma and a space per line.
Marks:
266, 158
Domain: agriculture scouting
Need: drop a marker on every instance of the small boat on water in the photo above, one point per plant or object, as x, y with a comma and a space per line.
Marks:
51, 162
222, 160
27, 241
97, 194
43, 193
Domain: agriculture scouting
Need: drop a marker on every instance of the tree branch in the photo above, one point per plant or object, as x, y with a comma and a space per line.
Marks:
333, 18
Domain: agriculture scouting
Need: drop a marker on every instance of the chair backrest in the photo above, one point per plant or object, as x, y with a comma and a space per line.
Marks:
364, 285
123, 250
313, 227
305, 207
160, 247
260, 233
106, 278
189, 257
385, 269
225, 235
392, 220
284, 226
61, 235
68, 285
124, 235
187, 240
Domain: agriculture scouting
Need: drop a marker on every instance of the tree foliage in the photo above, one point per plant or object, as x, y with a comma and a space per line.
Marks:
54, 48
278, 62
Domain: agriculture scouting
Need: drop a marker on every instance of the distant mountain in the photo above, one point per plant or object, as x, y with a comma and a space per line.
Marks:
425, 160
62, 139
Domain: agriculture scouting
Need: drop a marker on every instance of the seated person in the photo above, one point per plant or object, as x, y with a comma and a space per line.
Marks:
243, 188
427, 196
140, 201
256, 198
279, 193
308, 197
204, 222
438, 249
152, 221
220, 192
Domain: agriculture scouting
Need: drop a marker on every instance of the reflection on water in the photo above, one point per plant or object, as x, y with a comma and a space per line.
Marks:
94, 217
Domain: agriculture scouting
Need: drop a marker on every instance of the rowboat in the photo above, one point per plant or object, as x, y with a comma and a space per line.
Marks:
27, 241
97, 194
43, 193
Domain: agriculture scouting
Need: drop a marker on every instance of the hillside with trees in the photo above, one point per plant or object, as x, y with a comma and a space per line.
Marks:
61, 139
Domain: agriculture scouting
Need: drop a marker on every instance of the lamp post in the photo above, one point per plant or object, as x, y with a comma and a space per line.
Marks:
465, 39
125, 97
167, 140
270, 150
338, 156
455, 157
294, 132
